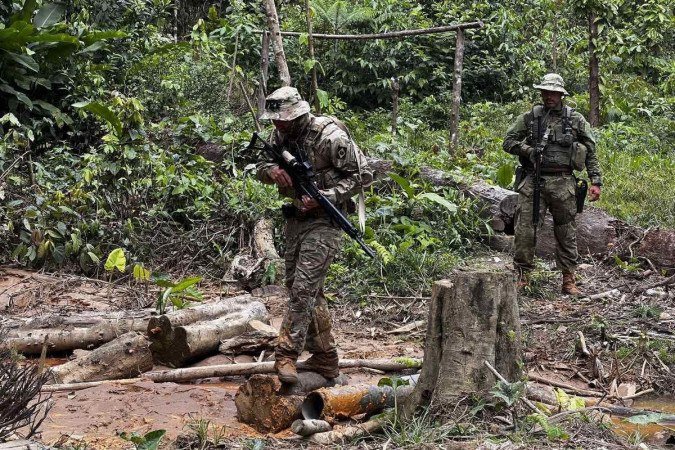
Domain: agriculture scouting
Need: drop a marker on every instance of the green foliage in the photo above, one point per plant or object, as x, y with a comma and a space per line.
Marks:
116, 260
179, 294
149, 441
509, 393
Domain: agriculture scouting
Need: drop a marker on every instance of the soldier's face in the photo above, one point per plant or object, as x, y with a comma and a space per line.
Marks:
551, 99
290, 127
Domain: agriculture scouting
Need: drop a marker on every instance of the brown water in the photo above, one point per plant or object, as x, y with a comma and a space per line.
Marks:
651, 433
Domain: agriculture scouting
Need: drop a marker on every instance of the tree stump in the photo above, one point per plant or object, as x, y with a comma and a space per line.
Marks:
473, 318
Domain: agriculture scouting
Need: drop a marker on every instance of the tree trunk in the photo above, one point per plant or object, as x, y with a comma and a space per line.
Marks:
264, 69
310, 44
594, 71
125, 357
279, 55
473, 318
456, 90
174, 346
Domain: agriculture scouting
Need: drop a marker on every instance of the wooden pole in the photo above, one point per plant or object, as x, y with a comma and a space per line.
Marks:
264, 71
593, 72
225, 370
388, 35
310, 44
279, 55
456, 90
395, 89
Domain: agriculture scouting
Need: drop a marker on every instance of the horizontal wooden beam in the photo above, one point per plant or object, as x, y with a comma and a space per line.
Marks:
387, 35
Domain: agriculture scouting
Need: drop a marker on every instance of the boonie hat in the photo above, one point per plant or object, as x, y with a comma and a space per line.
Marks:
552, 82
284, 104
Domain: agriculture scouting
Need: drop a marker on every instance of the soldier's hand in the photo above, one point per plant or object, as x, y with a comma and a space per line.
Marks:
281, 177
308, 203
594, 193
529, 152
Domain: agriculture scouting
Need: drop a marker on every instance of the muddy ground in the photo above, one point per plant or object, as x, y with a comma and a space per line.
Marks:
631, 334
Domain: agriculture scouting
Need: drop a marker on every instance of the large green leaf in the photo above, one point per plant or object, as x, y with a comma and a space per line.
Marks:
102, 112
23, 98
24, 60
54, 37
27, 11
432, 196
404, 183
96, 36
186, 283
49, 14
116, 260
505, 175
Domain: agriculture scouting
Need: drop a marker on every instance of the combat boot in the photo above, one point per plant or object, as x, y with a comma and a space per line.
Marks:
286, 370
569, 286
325, 364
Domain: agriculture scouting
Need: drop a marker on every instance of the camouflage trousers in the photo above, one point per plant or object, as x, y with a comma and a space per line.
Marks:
311, 245
558, 196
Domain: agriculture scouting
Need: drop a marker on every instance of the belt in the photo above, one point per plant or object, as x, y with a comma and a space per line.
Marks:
558, 173
289, 210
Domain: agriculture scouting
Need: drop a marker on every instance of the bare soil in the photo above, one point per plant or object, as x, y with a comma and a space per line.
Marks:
630, 334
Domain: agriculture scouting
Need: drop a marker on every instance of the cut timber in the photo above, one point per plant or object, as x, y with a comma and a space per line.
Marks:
268, 406
227, 370
598, 233
85, 331
473, 318
127, 356
174, 345
257, 337
23, 445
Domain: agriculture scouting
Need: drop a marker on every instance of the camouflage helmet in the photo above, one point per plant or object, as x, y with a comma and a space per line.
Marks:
284, 104
552, 82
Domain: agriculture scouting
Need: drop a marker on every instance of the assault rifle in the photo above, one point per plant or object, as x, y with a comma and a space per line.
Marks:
304, 183
536, 192
536, 195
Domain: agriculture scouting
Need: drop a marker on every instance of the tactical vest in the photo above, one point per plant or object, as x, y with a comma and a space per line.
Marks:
327, 176
562, 151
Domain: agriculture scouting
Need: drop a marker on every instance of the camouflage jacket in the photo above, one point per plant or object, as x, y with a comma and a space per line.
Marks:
519, 138
340, 166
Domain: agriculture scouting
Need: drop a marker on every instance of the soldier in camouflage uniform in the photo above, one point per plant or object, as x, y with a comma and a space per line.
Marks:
570, 147
312, 240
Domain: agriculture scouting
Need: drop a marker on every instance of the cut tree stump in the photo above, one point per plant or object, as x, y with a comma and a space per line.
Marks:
473, 318
124, 357
174, 346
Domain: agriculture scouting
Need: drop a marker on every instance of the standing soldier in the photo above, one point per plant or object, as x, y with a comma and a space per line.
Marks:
568, 145
312, 239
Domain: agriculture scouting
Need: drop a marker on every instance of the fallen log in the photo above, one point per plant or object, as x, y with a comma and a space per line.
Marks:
174, 346
267, 405
598, 233
257, 337
331, 404
84, 319
123, 357
349, 433
110, 326
227, 370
